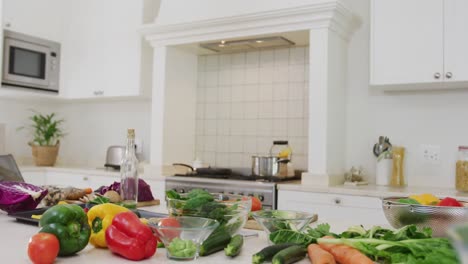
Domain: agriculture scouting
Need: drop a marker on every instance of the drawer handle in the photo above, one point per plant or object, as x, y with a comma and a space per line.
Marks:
337, 201
448, 75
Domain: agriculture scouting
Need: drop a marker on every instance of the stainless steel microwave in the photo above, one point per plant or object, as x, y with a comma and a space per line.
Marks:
30, 62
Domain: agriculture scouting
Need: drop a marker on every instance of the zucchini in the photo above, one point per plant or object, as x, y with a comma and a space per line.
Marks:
289, 255
215, 242
267, 253
234, 247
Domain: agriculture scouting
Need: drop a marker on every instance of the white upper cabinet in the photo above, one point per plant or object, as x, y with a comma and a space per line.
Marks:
418, 44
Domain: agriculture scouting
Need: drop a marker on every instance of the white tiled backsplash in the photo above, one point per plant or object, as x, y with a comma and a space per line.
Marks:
247, 100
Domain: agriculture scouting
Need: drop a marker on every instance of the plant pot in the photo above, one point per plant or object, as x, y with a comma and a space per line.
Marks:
45, 155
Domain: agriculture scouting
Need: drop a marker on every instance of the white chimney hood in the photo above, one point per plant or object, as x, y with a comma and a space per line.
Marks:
328, 24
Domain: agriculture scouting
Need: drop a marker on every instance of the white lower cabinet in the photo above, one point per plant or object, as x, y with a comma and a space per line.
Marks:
334, 207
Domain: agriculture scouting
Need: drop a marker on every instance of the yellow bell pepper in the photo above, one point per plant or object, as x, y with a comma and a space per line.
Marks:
99, 218
425, 199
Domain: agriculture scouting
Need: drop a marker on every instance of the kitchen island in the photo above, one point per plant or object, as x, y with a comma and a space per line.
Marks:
15, 236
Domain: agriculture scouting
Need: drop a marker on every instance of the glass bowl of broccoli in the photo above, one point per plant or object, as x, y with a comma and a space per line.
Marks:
182, 236
230, 210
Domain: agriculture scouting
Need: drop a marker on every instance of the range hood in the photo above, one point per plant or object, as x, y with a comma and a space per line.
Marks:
247, 44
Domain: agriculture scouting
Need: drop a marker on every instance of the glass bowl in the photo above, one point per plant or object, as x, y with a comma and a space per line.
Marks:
229, 210
182, 236
274, 220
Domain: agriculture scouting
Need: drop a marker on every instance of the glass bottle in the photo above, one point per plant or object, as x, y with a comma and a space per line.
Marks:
461, 180
129, 173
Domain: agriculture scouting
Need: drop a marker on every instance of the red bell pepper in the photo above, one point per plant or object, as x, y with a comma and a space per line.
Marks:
449, 201
129, 237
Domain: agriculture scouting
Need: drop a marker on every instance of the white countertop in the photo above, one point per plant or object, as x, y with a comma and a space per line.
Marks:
17, 235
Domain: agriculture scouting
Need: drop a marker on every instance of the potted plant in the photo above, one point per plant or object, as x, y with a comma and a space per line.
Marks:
47, 132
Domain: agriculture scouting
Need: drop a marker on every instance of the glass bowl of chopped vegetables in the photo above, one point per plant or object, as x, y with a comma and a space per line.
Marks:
182, 236
230, 210
274, 220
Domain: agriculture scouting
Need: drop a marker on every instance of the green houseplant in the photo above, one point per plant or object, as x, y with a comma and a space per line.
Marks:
46, 132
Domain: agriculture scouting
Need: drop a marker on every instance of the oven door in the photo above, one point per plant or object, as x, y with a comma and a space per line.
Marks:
26, 64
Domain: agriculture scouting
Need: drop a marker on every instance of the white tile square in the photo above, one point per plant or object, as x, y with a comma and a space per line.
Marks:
251, 110
237, 127
210, 127
250, 145
224, 127
250, 127
211, 78
296, 109
236, 161
267, 58
225, 61
237, 93
236, 143
211, 111
297, 55
280, 127
250, 93
264, 145
201, 63
305, 129
238, 60
200, 111
265, 92
237, 110
266, 75
252, 59
298, 145
201, 79
224, 94
199, 127
297, 73
225, 77
199, 143
280, 91
265, 109
222, 144
247, 159
281, 57
295, 127
211, 95
222, 160
209, 157
212, 62
306, 72
300, 162
200, 91
238, 76
280, 109
306, 109
265, 127
252, 75
224, 110
296, 91
280, 74
210, 143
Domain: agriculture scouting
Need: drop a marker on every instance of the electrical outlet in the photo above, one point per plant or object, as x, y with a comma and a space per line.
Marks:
430, 154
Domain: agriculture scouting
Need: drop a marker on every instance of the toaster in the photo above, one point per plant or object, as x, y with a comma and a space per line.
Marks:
114, 157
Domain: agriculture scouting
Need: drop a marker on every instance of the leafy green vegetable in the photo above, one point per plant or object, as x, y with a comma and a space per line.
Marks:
182, 248
290, 236
408, 201
194, 204
172, 194
197, 192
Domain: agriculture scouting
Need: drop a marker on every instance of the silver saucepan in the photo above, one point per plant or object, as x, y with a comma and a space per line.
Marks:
270, 166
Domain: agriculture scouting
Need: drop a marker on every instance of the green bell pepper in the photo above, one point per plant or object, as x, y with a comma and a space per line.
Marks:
69, 223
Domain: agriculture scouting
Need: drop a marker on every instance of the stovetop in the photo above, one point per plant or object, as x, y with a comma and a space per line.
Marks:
240, 177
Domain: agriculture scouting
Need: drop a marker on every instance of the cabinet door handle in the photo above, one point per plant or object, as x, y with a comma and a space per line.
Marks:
437, 75
337, 201
448, 75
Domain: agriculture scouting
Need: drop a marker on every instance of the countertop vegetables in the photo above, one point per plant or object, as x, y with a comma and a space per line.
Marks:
425, 199
345, 254
182, 248
289, 255
144, 190
99, 218
234, 247
69, 223
17, 196
217, 241
267, 253
449, 201
408, 201
317, 255
130, 238
256, 204
43, 248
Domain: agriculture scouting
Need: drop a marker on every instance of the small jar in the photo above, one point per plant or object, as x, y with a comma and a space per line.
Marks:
281, 149
461, 181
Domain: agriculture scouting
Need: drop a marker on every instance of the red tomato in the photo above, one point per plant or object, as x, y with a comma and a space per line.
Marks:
256, 204
43, 248
168, 233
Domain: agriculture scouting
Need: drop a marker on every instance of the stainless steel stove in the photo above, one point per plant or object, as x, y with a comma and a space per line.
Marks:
263, 188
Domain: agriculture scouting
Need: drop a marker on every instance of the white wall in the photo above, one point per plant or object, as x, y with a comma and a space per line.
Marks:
409, 119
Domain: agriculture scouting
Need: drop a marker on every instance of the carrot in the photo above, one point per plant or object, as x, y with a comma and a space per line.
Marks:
344, 254
319, 256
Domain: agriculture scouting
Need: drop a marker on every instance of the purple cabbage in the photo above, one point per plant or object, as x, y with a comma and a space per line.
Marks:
144, 190
20, 196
